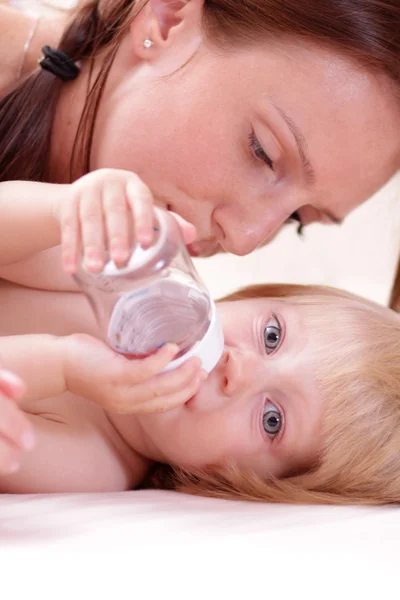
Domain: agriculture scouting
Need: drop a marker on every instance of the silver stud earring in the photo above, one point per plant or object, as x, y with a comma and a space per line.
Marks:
148, 43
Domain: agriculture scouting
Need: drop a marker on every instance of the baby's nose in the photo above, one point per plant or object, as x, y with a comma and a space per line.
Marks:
239, 371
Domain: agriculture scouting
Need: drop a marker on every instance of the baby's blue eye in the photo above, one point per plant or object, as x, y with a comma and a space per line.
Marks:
272, 335
272, 419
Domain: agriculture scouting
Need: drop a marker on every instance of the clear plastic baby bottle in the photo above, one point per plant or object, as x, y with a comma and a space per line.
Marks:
157, 298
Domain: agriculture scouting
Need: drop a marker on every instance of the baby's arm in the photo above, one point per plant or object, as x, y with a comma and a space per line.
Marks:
87, 367
76, 448
108, 209
27, 216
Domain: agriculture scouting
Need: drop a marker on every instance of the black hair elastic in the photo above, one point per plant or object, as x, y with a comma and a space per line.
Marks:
59, 63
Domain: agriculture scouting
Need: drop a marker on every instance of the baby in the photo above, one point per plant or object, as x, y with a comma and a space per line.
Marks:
302, 407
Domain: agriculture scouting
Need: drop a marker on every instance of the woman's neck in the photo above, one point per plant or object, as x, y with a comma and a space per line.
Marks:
65, 127
70, 107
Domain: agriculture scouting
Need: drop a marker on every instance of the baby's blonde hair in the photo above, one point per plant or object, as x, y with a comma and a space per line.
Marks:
356, 353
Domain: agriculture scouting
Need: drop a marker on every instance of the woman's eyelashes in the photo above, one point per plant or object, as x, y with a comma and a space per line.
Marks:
258, 151
272, 420
272, 335
296, 217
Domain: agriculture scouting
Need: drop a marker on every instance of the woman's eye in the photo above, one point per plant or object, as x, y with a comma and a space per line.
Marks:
259, 151
272, 419
272, 335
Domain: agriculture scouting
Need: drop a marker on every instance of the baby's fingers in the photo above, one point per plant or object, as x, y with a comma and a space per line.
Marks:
9, 457
70, 234
118, 219
139, 371
156, 387
176, 398
11, 385
92, 230
14, 426
140, 200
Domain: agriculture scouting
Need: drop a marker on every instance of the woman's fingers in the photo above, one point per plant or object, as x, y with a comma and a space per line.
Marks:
140, 200
188, 230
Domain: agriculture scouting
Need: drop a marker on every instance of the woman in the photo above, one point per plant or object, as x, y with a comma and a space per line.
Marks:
238, 116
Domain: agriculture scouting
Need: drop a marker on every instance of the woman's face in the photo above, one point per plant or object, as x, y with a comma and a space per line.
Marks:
260, 406
235, 142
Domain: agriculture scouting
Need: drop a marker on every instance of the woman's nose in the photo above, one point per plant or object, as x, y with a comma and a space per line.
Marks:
242, 232
239, 371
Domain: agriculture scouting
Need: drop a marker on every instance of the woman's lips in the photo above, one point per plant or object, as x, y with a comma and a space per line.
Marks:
204, 248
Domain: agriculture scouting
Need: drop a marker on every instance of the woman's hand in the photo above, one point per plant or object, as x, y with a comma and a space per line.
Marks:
107, 209
94, 371
16, 433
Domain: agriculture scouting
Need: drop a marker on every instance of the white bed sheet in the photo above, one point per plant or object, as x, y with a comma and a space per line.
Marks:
144, 544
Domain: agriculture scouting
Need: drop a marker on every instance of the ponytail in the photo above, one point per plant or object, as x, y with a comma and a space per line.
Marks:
26, 115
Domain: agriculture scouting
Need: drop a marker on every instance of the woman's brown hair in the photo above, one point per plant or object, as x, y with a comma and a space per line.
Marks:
364, 30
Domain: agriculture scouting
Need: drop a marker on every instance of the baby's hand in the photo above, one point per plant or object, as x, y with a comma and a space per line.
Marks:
94, 371
16, 433
108, 209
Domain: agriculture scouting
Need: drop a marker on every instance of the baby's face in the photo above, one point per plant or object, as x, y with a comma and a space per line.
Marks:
260, 406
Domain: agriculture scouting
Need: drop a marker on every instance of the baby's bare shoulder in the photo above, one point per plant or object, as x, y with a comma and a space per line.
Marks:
77, 450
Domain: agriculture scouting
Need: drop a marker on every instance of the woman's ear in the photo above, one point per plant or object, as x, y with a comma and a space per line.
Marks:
163, 23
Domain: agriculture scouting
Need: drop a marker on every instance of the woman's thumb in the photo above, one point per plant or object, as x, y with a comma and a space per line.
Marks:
188, 230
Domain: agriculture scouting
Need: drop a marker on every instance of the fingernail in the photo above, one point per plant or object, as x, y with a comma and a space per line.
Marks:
95, 264
28, 439
203, 375
120, 254
144, 237
172, 348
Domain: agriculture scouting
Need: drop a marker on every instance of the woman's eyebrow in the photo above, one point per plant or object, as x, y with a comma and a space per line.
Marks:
301, 147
